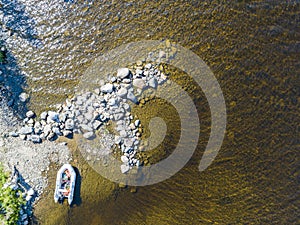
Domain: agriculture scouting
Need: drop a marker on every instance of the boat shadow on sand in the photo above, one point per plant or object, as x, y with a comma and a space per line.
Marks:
77, 197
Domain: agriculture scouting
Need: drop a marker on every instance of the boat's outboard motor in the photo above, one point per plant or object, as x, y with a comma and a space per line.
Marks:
61, 199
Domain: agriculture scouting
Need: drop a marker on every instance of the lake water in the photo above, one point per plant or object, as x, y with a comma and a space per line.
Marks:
253, 50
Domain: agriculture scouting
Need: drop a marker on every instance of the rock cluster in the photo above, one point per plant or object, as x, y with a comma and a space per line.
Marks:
85, 113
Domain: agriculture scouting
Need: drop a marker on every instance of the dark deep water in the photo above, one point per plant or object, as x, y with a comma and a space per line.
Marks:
253, 49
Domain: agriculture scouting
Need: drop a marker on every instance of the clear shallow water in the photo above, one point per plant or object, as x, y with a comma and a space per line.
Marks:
253, 50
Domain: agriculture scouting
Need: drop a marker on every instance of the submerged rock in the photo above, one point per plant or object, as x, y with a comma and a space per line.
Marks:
123, 73
122, 92
153, 83
23, 97
132, 97
139, 83
125, 168
124, 159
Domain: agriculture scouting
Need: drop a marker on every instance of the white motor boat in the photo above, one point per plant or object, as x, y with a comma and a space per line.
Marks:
65, 184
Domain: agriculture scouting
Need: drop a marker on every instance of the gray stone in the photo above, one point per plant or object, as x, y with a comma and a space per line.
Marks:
80, 119
51, 136
37, 125
128, 142
137, 123
30, 114
13, 134
118, 140
26, 130
47, 129
30, 192
126, 81
125, 168
69, 125
68, 103
62, 117
35, 138
122, 92
128, 149
89, 116
121, 122
28, 197
43, 122
124, 159
77, 112
118, 116
137, 163
79, 101
103, 118
136, 142
97, 91
107, 88
52, 117
44, 115
126, 107
153, 83
113, 79
90, 109
96, 105
146, 73
30, 122
59, 107
86, 127
112, 102
162, 54
96, 124
89, 135
139, 63
57, 131
127, 86
148, 66
123, 72
23, 136
132, 126
139, 83
120, 127
23, 97
24, 216
132, 97
139, 72
123, 133
67, 133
